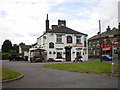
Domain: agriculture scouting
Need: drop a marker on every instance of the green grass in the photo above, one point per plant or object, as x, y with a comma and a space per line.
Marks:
86, 67
6, 74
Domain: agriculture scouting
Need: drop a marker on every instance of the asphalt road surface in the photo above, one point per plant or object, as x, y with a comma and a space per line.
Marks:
37, 76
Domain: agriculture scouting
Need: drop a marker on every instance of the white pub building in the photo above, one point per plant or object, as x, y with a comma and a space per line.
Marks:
61, 43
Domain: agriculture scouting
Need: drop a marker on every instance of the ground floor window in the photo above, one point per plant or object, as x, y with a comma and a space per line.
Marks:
59, 54
78, 54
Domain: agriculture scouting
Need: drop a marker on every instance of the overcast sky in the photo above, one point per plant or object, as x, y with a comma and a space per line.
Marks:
24, 20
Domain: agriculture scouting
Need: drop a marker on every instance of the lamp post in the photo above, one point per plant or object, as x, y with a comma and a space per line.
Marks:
100, 41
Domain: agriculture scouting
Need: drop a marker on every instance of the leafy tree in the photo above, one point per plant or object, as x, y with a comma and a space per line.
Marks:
15, 48
6, 49
22, 43
7, 46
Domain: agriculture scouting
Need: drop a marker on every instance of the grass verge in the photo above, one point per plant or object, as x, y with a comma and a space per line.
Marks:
6, 74
86, 67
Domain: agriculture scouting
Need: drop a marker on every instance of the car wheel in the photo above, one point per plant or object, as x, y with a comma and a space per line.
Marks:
107, 59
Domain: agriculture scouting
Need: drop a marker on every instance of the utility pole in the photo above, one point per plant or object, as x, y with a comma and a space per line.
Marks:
119, 41
100, 42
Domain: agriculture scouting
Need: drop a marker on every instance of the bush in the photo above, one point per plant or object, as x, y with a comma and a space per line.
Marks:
5, 56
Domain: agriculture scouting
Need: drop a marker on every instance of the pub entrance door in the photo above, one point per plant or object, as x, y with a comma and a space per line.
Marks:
68, 53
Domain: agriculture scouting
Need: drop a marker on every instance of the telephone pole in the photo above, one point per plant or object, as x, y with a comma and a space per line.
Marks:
100, 42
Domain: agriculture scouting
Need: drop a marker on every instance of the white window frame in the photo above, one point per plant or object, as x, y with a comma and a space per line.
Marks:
59, 38
78, 40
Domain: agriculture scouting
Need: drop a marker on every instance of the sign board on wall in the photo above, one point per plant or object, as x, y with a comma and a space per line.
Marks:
84, 50
77, 45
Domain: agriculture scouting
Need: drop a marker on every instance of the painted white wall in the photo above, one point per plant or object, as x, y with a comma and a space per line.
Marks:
25, 53
20, 49
51, 37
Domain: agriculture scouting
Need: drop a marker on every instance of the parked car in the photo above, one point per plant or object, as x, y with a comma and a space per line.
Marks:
38, 59
106, 57
51, 60
13, 57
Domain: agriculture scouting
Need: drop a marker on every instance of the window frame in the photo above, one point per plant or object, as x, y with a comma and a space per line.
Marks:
59, 56
51, 45
69, 37
78, 40
58, 38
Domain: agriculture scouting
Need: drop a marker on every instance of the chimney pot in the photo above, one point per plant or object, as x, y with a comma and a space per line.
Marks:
108, 29
61, 22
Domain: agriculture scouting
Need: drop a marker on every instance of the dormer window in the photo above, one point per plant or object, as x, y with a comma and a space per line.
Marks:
69, 39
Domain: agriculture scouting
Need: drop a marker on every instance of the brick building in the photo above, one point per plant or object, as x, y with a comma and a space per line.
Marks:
109, 39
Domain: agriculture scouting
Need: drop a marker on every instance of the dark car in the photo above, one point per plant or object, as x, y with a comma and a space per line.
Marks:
38, 59
13, 57
106, 57
51, 60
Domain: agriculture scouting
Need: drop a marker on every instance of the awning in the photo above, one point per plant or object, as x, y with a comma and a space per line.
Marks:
107, 48
36, 50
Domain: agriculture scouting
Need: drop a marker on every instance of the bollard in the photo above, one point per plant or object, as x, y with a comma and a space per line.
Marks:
112, 68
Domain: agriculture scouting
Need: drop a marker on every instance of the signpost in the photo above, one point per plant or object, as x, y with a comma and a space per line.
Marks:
112, 41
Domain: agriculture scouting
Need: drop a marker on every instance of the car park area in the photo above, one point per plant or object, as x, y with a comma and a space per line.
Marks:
37, 76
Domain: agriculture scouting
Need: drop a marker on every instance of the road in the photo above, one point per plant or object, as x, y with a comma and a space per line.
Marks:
37, 76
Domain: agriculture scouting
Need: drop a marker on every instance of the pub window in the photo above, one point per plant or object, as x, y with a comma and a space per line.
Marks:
50, 52
78, 54
59, 38
69, 39
59, 54
85, 42
78, 39
51, 45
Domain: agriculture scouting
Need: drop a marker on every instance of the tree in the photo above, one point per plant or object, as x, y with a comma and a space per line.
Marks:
15, 48
7, 46
6, 49
22, 43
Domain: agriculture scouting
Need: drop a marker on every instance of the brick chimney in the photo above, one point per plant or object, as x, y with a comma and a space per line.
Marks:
54, 27
108, 29
61, 23
119, 26
47, 24
98, 33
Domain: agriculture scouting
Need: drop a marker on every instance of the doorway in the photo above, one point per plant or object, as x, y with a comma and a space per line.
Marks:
68, 53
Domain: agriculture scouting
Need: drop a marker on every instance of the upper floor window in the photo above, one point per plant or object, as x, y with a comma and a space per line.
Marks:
78, 39
90, 44
69, 39
51, 45
44, 39
98, 42
85, 42
59, 38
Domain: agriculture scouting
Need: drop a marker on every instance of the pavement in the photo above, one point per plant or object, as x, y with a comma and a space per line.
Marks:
36, 76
